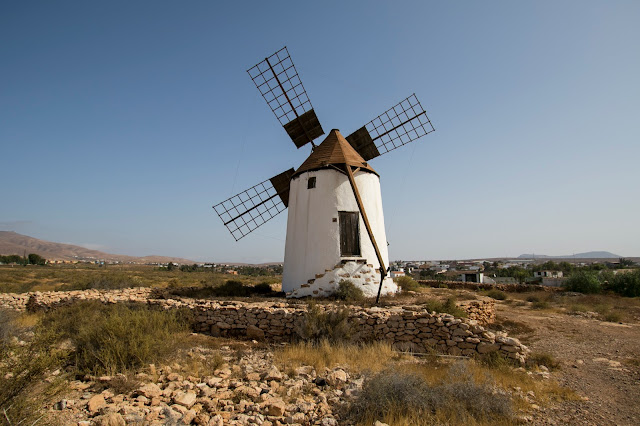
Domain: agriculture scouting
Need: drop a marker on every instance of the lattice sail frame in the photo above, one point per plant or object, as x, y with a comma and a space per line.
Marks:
397, 126
248, 210
279, 84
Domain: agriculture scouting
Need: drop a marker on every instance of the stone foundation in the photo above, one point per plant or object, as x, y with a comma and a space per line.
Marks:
362, 275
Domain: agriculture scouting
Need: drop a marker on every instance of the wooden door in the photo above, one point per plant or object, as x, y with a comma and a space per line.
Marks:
349, 233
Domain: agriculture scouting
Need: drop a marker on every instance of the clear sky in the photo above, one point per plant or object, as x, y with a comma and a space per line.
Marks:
122, 123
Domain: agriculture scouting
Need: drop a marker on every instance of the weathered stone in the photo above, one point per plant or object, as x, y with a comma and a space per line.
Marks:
216, 420
254, 332
305, 369
337, 377
202, 419
485, 348
95, 403
188, 417
110, 419
186, 399
507, 341
253, 377
150, 390
273, 374
275, 407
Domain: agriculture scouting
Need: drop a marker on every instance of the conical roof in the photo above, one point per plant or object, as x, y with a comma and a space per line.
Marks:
334, 150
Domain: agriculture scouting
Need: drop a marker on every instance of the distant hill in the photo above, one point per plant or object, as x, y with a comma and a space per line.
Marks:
587, 255
14, 243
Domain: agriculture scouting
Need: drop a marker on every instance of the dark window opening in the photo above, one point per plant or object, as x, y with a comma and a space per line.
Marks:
311, 183
349, 233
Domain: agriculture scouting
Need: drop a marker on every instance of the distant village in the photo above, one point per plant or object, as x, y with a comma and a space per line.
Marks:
502, 271
506, 271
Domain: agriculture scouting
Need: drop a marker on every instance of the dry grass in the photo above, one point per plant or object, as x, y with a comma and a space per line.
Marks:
483, 395
26, 359
514, 329
434, 373
110, 339
199, 356
373, 356
84, 276
609, 307
632, 362
29, 319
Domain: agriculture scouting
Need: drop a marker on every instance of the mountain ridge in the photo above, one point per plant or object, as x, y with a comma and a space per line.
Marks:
585, 255
14, 243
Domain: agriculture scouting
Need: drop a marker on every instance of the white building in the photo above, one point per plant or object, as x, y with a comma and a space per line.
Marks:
327, 237
475, 277
547, 274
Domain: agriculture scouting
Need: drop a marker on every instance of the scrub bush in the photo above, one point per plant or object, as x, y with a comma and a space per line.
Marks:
332, 325
584, 282
348, 292
407, 283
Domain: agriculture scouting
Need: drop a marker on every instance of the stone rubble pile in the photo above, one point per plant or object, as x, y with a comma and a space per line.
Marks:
251, 391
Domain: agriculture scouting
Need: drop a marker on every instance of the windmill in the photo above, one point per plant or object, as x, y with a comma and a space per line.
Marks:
332, 196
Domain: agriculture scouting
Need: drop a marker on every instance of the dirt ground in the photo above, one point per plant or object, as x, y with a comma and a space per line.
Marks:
598, 360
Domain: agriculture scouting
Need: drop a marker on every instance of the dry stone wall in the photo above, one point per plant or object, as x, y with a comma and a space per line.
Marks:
517, 288
407, 328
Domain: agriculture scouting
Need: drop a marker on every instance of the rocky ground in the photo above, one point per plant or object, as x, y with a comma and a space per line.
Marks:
247, 389
598, 360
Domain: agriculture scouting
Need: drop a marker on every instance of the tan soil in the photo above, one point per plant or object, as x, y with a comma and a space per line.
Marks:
598, 360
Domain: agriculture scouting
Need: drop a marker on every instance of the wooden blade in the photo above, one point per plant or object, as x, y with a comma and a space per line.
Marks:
399, 125
245, 212
279, 84
281, 184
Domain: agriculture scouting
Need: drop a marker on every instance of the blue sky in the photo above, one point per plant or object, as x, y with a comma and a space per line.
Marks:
122, 123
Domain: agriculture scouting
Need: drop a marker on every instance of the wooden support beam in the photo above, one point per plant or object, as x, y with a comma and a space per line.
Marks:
354, 187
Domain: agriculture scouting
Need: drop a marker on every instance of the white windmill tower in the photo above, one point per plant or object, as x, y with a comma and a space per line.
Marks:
335, 228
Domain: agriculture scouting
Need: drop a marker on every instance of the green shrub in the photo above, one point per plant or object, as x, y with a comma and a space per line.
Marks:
232, 288
262, 288
348, 292
332, 325
533, 299
115, 338
584, 282
407, 283
448, 307
397, 394
626, 284
497, 294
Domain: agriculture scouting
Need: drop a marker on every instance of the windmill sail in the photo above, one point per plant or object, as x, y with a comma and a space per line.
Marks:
245, 212
279, 84
399, 125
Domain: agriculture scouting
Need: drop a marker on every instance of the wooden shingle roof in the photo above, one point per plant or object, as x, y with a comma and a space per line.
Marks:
334, 150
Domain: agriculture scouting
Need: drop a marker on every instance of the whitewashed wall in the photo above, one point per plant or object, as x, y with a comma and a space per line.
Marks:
312, 264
